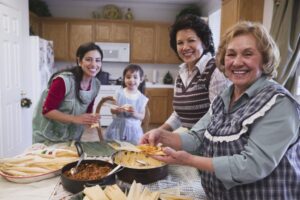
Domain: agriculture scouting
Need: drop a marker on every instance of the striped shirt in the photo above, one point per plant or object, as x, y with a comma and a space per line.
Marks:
191, 101
218, 82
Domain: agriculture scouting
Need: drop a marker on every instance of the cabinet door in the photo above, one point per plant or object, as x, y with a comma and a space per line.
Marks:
80, 32
142, 42
103, 31
56, 31
229, 14
170, 102
251, 10
233, 11
121, 32
107, 31
164, 53
160, 104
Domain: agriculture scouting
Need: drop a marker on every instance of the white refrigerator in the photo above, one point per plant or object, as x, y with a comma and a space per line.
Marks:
42, 65
41, 68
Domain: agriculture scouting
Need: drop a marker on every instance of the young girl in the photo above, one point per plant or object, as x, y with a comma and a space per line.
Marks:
131, 103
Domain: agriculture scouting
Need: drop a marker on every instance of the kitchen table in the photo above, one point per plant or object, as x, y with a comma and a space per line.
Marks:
185, 178
31, 191
182, 177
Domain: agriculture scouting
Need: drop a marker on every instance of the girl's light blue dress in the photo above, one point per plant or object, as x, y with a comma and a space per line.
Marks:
124, 127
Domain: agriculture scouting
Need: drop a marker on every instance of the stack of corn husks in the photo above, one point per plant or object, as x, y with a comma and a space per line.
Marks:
37, 162
137, 192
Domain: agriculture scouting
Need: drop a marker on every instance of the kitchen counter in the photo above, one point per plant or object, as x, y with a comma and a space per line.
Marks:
158, 85
148, 85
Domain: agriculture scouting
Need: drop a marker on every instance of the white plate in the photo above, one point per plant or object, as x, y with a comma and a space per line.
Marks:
34, 149
30, 179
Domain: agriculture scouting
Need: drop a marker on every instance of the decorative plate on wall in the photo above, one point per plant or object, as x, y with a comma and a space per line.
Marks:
111, 12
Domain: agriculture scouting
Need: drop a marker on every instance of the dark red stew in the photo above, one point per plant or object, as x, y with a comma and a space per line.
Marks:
89, 171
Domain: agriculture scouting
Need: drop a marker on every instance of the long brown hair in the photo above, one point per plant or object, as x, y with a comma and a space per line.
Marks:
77, 70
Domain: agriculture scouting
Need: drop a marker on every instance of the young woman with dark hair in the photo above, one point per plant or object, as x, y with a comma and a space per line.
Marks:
66, 105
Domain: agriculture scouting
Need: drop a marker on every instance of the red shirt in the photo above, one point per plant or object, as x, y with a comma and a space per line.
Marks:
56, 95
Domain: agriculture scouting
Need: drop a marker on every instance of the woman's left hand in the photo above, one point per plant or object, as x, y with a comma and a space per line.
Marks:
174, 157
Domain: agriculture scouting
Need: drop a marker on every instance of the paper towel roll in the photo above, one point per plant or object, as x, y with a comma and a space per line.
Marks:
154, 76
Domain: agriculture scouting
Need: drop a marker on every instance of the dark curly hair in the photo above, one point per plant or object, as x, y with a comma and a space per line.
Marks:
197, 24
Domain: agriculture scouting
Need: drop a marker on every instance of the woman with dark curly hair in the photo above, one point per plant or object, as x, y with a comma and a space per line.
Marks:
66, 105
198, 80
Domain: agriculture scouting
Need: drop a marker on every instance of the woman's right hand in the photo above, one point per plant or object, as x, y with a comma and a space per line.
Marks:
152, 137
86, 119
164, 137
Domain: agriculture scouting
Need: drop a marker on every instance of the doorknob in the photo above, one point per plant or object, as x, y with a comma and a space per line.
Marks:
25, 102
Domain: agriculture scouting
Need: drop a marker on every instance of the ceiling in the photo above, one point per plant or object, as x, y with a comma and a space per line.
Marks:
207, 6
147, 1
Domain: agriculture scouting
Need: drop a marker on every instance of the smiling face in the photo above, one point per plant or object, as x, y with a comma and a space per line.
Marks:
91, 63
132, 80
189, 46
243, 62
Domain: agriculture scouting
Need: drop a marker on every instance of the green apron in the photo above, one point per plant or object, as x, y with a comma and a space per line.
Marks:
51, 131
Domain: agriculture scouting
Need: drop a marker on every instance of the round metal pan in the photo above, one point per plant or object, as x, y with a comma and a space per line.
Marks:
144, 176
76, 186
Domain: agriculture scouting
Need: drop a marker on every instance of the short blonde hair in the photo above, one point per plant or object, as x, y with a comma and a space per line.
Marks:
265, 44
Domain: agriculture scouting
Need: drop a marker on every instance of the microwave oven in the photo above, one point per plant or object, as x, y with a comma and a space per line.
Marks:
115, 52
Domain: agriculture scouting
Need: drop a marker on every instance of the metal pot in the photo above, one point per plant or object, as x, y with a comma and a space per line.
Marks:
144, 176
76, 186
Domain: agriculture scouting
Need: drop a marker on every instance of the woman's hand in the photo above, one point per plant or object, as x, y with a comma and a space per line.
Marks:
175, 157
184, 158
152, 137
166, 138
86, 119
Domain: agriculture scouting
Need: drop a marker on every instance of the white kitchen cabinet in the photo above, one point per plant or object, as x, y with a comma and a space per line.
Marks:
105, 90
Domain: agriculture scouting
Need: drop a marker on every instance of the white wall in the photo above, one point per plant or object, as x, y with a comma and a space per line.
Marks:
141, 11
268, 13
214, 21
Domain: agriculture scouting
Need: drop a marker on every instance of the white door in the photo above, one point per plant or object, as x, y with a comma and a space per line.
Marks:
14, 137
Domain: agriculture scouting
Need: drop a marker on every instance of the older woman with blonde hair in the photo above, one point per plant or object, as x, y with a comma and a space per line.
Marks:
247, 146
